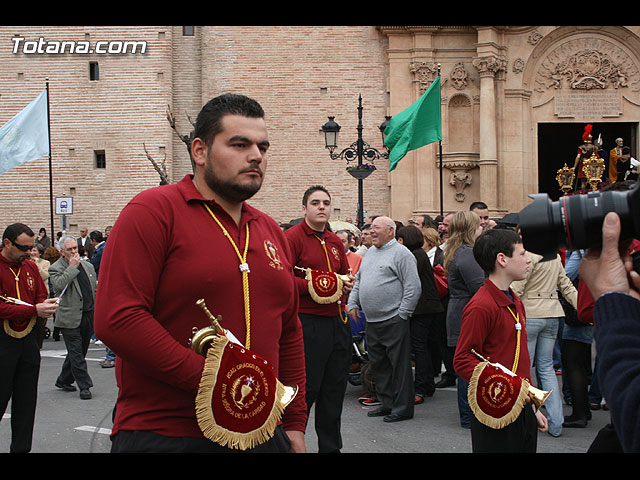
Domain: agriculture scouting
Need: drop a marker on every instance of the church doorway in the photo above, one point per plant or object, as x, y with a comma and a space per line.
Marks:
558, 144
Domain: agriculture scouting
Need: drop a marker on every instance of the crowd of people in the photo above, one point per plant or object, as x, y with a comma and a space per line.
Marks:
436, 296
556, 311
67, 272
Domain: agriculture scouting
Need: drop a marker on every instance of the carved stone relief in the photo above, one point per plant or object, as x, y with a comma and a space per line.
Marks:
461, 176
459, 159
534, 37
518, 65
489, 65
424, 74
587, 64
459, 76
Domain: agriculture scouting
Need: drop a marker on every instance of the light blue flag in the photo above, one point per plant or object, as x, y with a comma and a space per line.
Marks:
26, 136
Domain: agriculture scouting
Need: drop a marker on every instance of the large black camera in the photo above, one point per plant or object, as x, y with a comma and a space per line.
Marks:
575, 221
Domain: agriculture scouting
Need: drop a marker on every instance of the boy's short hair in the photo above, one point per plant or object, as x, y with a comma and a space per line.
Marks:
312, 189
492, 242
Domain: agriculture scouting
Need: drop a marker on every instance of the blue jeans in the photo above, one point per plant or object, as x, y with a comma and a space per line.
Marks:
464, 410
541, 338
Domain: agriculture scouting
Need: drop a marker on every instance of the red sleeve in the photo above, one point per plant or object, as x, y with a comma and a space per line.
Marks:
293, 241
10, 311
473, 332
292, 364
131, 265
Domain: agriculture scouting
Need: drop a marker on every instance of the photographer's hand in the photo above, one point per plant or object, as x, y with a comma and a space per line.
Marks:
604, 270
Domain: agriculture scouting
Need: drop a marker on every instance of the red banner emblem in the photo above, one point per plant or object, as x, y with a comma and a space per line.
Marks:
495, 396
324, 287
240, 401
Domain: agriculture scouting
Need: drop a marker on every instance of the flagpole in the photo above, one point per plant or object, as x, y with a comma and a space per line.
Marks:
441, 167
50, 166
441, 197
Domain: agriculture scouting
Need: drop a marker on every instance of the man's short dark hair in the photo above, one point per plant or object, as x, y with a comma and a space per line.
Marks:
478, 205
209, 120
15, 230
492, 242
310, 190
96, 236
412, 237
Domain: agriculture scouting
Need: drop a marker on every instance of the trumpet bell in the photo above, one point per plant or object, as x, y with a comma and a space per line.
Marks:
537, 396
201, 340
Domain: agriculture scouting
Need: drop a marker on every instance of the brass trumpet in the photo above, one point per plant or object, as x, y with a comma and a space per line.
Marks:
537, 396
202, 338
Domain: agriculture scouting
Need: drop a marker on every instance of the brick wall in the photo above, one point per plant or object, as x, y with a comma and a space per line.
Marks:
300, 75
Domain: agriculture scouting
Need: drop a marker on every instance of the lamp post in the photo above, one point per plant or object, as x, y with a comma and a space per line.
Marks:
358, 150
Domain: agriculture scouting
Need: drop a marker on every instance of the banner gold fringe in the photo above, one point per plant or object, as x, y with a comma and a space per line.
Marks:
19, 334
485, 419
206, 416
324, 300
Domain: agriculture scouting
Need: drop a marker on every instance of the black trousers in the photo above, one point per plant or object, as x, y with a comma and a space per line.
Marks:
420, 347
440, 352
139, 441
77, 342
576, 369
521, 436
327, 350
389, 350
19, 371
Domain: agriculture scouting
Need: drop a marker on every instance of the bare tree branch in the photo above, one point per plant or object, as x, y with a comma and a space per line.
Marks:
186, 139
160, 168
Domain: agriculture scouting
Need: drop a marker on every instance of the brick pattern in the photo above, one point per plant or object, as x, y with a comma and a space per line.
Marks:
300, 75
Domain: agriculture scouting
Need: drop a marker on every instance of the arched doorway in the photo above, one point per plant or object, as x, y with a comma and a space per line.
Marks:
579, 76
558, 144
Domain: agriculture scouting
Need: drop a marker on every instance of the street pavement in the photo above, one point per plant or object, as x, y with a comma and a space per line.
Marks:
67, 424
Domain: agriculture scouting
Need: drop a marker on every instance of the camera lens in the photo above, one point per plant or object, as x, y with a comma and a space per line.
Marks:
575, 221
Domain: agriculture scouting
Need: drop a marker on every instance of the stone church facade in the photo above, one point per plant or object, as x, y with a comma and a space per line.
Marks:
514, 103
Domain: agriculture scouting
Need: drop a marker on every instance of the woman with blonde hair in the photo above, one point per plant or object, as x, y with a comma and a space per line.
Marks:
431, 245
465, 277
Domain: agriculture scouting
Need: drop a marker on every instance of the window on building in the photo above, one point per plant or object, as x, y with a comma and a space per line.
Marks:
100, 158
188, 31
94, 71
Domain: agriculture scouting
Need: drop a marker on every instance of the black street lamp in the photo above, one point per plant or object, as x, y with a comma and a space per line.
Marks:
359, 150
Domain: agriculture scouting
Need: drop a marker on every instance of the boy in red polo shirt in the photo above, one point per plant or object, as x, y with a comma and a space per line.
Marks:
325, 326
494, 326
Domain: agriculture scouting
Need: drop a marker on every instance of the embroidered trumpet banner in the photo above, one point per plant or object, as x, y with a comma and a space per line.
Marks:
240, 401
496, 397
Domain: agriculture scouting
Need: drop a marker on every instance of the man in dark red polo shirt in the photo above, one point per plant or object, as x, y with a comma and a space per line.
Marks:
326, 328
24, 299
154, 268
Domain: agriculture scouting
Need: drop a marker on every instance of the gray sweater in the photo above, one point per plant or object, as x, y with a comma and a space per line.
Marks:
387, 283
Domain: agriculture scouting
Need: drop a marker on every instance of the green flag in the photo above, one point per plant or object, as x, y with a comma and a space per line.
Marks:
418, 125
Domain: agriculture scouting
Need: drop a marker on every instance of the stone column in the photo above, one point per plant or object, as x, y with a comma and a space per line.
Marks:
487, 67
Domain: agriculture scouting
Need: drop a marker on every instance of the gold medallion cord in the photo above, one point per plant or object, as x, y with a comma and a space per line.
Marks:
17, 276
518, 332
326, 254
244, 268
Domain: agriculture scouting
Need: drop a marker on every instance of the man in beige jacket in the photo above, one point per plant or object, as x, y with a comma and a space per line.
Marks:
539, 294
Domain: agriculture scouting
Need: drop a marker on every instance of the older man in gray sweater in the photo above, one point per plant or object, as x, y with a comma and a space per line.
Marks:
387, 289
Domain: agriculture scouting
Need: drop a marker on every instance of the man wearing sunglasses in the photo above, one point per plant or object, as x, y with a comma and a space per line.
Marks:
24, 298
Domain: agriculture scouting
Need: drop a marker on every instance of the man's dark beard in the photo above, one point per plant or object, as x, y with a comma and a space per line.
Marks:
231, 191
